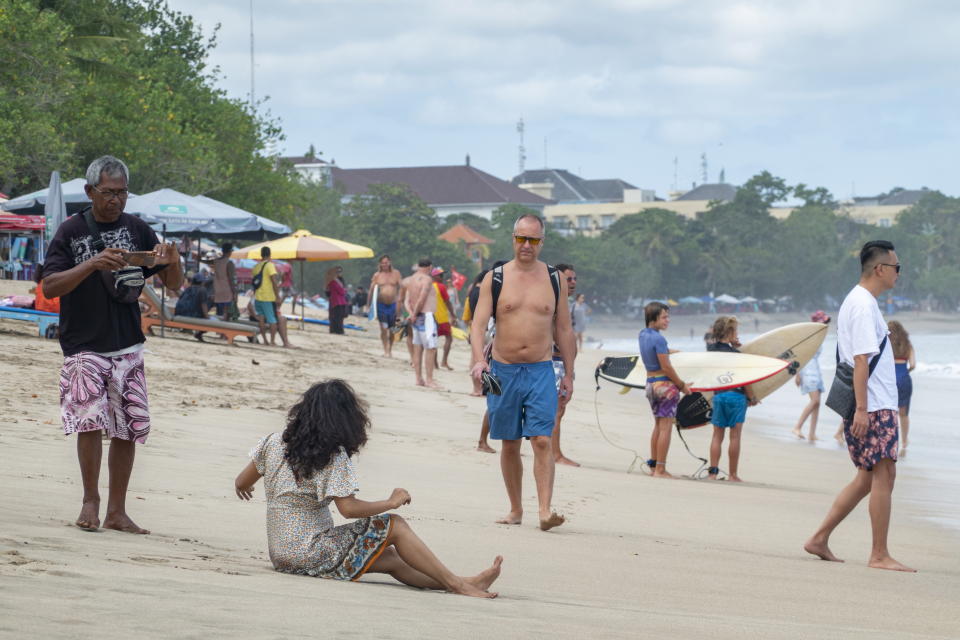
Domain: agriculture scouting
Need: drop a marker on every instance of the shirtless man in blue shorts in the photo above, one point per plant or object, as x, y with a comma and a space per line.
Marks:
529, 313
388, 280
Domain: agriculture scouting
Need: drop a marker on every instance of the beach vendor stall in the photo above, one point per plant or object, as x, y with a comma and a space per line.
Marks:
21, 240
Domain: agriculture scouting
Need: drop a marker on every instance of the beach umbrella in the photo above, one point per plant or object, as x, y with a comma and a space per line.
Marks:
749, 299
303, 246
55, 209
690, 300
270, 227
727, 299
72, 192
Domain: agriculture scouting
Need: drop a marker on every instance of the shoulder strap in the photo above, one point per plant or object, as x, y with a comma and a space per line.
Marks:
495, 287
98, 244
554, 274
874, 361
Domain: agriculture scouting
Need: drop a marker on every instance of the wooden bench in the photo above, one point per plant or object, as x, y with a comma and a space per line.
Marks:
151, 318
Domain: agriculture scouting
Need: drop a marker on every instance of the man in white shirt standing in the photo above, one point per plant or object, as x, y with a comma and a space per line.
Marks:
871, 434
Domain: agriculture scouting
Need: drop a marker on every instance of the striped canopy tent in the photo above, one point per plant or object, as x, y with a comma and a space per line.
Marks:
303, 246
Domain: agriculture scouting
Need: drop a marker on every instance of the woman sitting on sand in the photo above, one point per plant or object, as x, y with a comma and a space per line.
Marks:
306, 468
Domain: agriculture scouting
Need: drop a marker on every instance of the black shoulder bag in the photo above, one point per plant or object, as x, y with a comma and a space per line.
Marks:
842, 398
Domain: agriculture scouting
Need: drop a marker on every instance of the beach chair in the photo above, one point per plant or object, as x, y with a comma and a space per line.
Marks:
151, 318
46, 322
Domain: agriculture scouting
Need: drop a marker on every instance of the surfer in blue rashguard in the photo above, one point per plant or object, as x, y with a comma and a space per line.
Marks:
664, 386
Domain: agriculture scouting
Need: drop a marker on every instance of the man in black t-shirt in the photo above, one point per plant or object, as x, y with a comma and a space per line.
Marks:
102, 385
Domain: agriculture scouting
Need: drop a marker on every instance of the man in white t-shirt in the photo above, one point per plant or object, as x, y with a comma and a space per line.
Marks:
871, 434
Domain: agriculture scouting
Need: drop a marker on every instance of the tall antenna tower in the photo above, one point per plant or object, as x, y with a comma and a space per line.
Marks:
704, 178
253, 95
521, 150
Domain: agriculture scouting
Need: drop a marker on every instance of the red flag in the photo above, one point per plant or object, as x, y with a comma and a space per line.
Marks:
458, 279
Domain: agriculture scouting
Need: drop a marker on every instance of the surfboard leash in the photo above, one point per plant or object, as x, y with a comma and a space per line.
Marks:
636, 454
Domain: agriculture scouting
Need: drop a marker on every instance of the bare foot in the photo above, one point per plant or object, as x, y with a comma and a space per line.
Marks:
89, 518
122, 522
432, 384
733, 478
662, 474
797, 433
487, 577
838, 437
447, 367
420, 383
484, 447
567, 461
465, 588
551, 521
890, 564
712, 476
476, 394
821, 550
514, 517
813, 438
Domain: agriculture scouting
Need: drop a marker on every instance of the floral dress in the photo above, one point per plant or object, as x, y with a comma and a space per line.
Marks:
300, 534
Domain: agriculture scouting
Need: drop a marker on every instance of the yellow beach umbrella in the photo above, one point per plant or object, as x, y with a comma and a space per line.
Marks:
303, 246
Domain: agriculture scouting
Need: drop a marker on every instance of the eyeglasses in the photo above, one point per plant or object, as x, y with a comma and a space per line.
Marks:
119, 194
533, 241
895, 266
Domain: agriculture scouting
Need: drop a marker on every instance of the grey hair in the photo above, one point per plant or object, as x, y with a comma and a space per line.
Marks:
113, 167
530, 215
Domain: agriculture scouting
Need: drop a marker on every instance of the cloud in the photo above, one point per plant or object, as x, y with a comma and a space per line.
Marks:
678, 76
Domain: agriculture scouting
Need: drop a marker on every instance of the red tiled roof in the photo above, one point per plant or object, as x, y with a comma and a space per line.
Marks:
449, 185
460, 231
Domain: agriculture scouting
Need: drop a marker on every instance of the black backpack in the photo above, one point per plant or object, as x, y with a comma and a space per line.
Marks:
497, 286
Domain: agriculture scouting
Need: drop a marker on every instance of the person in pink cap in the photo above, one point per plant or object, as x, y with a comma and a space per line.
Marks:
810, 381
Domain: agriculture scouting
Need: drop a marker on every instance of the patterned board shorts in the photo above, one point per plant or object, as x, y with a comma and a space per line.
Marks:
663, 396
881, 440
105, 393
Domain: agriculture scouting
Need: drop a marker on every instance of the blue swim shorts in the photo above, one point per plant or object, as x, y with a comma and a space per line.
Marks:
386, 314
266, 310
528, 405
729, 409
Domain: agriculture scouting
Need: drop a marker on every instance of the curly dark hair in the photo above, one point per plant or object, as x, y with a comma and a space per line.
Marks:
328, 416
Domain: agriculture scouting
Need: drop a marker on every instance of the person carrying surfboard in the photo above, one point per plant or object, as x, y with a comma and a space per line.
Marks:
384, 286
664, 386
528, 299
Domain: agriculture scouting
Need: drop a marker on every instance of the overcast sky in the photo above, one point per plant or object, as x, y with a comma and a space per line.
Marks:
855, 95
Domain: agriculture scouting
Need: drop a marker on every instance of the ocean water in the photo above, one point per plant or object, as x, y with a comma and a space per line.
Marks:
934, 451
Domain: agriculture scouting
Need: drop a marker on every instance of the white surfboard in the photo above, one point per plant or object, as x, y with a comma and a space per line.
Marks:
372, 313
796, 343
704, 371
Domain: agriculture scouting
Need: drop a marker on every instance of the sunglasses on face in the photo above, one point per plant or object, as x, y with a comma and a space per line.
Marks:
895, 266
533, 241
119, 194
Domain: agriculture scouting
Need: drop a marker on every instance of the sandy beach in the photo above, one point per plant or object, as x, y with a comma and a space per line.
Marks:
677, 559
